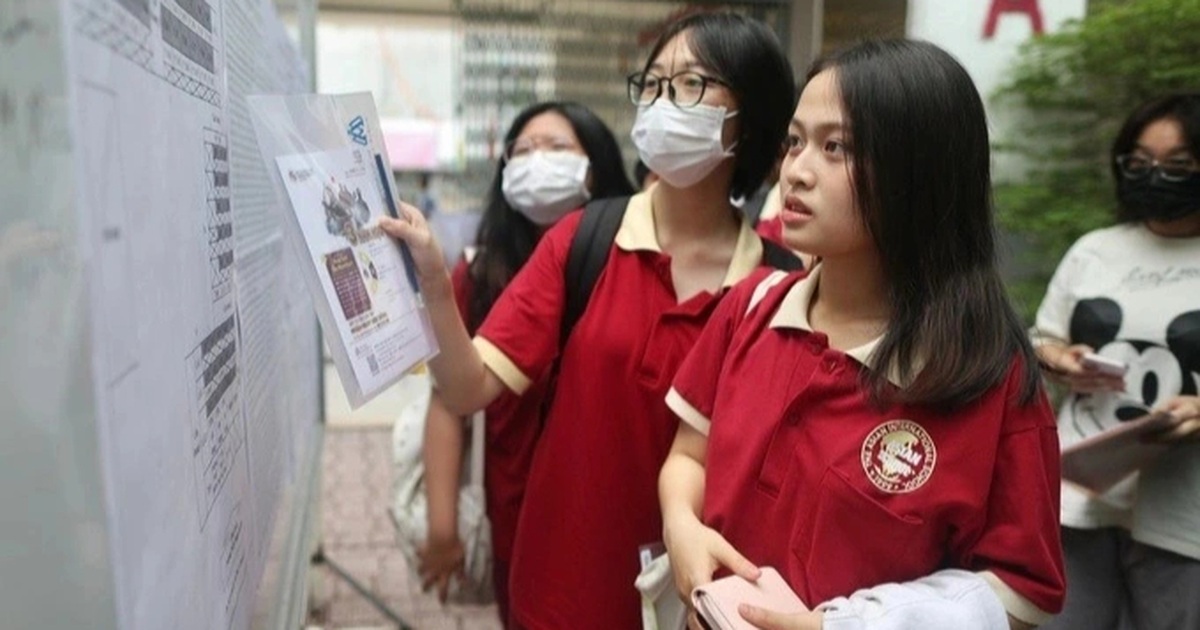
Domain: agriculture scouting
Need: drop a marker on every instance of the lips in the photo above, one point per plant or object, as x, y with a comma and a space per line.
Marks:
794, 212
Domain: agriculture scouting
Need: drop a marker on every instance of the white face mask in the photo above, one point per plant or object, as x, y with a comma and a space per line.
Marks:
681, 145
545, 185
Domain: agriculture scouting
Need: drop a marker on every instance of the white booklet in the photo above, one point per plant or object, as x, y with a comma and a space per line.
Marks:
328, 161
1097, 463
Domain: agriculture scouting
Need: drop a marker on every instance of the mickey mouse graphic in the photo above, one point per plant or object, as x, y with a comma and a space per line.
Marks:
1157, 373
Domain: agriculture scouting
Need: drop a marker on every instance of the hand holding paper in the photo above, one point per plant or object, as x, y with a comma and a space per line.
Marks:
1099, 462
413, 230
1185, 426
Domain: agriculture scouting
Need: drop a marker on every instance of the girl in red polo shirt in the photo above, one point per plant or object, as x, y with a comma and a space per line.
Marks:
876, 430
557, 156
713, 104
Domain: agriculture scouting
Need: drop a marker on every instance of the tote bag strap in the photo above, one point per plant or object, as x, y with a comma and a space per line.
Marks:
477, 440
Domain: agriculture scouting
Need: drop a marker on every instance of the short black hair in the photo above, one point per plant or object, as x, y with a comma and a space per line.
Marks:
1183, 108
918, 138
744, 53
506, 238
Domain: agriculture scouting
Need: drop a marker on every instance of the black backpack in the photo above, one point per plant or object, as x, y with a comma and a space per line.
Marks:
589, 253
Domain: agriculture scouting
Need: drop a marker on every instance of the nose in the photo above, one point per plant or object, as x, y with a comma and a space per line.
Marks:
796, 170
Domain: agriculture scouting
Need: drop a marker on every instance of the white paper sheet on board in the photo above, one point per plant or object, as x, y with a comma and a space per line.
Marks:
193, 430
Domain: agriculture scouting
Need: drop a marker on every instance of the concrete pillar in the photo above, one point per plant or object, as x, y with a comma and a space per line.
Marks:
805, 30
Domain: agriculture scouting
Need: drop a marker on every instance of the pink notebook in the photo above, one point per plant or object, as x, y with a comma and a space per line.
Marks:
717, 602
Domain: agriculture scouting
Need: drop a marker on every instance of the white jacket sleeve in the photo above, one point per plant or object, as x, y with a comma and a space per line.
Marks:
951, 599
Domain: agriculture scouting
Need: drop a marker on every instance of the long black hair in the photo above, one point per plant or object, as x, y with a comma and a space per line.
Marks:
506, 238
746, 55
1182, 108
921, 163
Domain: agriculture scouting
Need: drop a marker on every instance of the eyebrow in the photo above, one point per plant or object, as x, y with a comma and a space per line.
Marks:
1173, 151
823, 127
691, 65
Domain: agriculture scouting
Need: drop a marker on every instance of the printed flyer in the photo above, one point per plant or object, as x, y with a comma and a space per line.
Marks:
337, 198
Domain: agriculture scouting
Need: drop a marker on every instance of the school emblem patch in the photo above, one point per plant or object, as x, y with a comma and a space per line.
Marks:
898, 456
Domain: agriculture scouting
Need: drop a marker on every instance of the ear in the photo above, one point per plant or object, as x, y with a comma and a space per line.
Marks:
1183, 340
1095, 322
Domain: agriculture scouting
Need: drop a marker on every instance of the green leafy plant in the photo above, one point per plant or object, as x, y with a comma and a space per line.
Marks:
1072, 90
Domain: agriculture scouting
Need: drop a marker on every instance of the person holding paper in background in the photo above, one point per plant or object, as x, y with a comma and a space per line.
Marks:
557, 156
713, 103
1131, 293
876, 431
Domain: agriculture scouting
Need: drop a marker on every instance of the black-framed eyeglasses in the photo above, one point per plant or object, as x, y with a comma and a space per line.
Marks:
1176, 169
684, 89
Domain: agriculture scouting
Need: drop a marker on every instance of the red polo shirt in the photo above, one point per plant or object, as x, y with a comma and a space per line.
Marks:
770, 224
591, 499
513, 423
771, 229
805, 475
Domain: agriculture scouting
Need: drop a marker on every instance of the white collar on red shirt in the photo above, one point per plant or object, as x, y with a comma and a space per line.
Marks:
793, 313
637, 233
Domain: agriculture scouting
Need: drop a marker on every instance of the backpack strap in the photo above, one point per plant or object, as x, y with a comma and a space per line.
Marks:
587, 256
779, 257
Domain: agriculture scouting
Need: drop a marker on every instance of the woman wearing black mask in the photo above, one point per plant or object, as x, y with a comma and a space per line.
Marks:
1131, 293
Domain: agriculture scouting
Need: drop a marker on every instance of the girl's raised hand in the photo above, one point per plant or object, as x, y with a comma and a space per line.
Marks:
415, 232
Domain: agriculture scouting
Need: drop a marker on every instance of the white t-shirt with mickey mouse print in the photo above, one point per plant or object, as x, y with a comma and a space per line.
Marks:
1134, 296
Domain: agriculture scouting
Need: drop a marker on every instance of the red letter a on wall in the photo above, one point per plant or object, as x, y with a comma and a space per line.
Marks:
1028, 7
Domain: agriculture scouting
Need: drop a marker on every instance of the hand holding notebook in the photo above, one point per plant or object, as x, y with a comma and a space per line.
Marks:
717, 602
1100, 461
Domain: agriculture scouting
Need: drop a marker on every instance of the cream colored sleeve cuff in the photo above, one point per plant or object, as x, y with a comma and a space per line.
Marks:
1014, 604
687, 412
502, 366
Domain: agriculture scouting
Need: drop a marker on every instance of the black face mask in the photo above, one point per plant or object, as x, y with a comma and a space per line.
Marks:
1156, 199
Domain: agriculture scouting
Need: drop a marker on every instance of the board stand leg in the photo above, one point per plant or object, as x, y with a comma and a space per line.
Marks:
320, 559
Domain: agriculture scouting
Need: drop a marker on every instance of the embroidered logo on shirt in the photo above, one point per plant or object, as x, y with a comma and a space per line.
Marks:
898, 456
